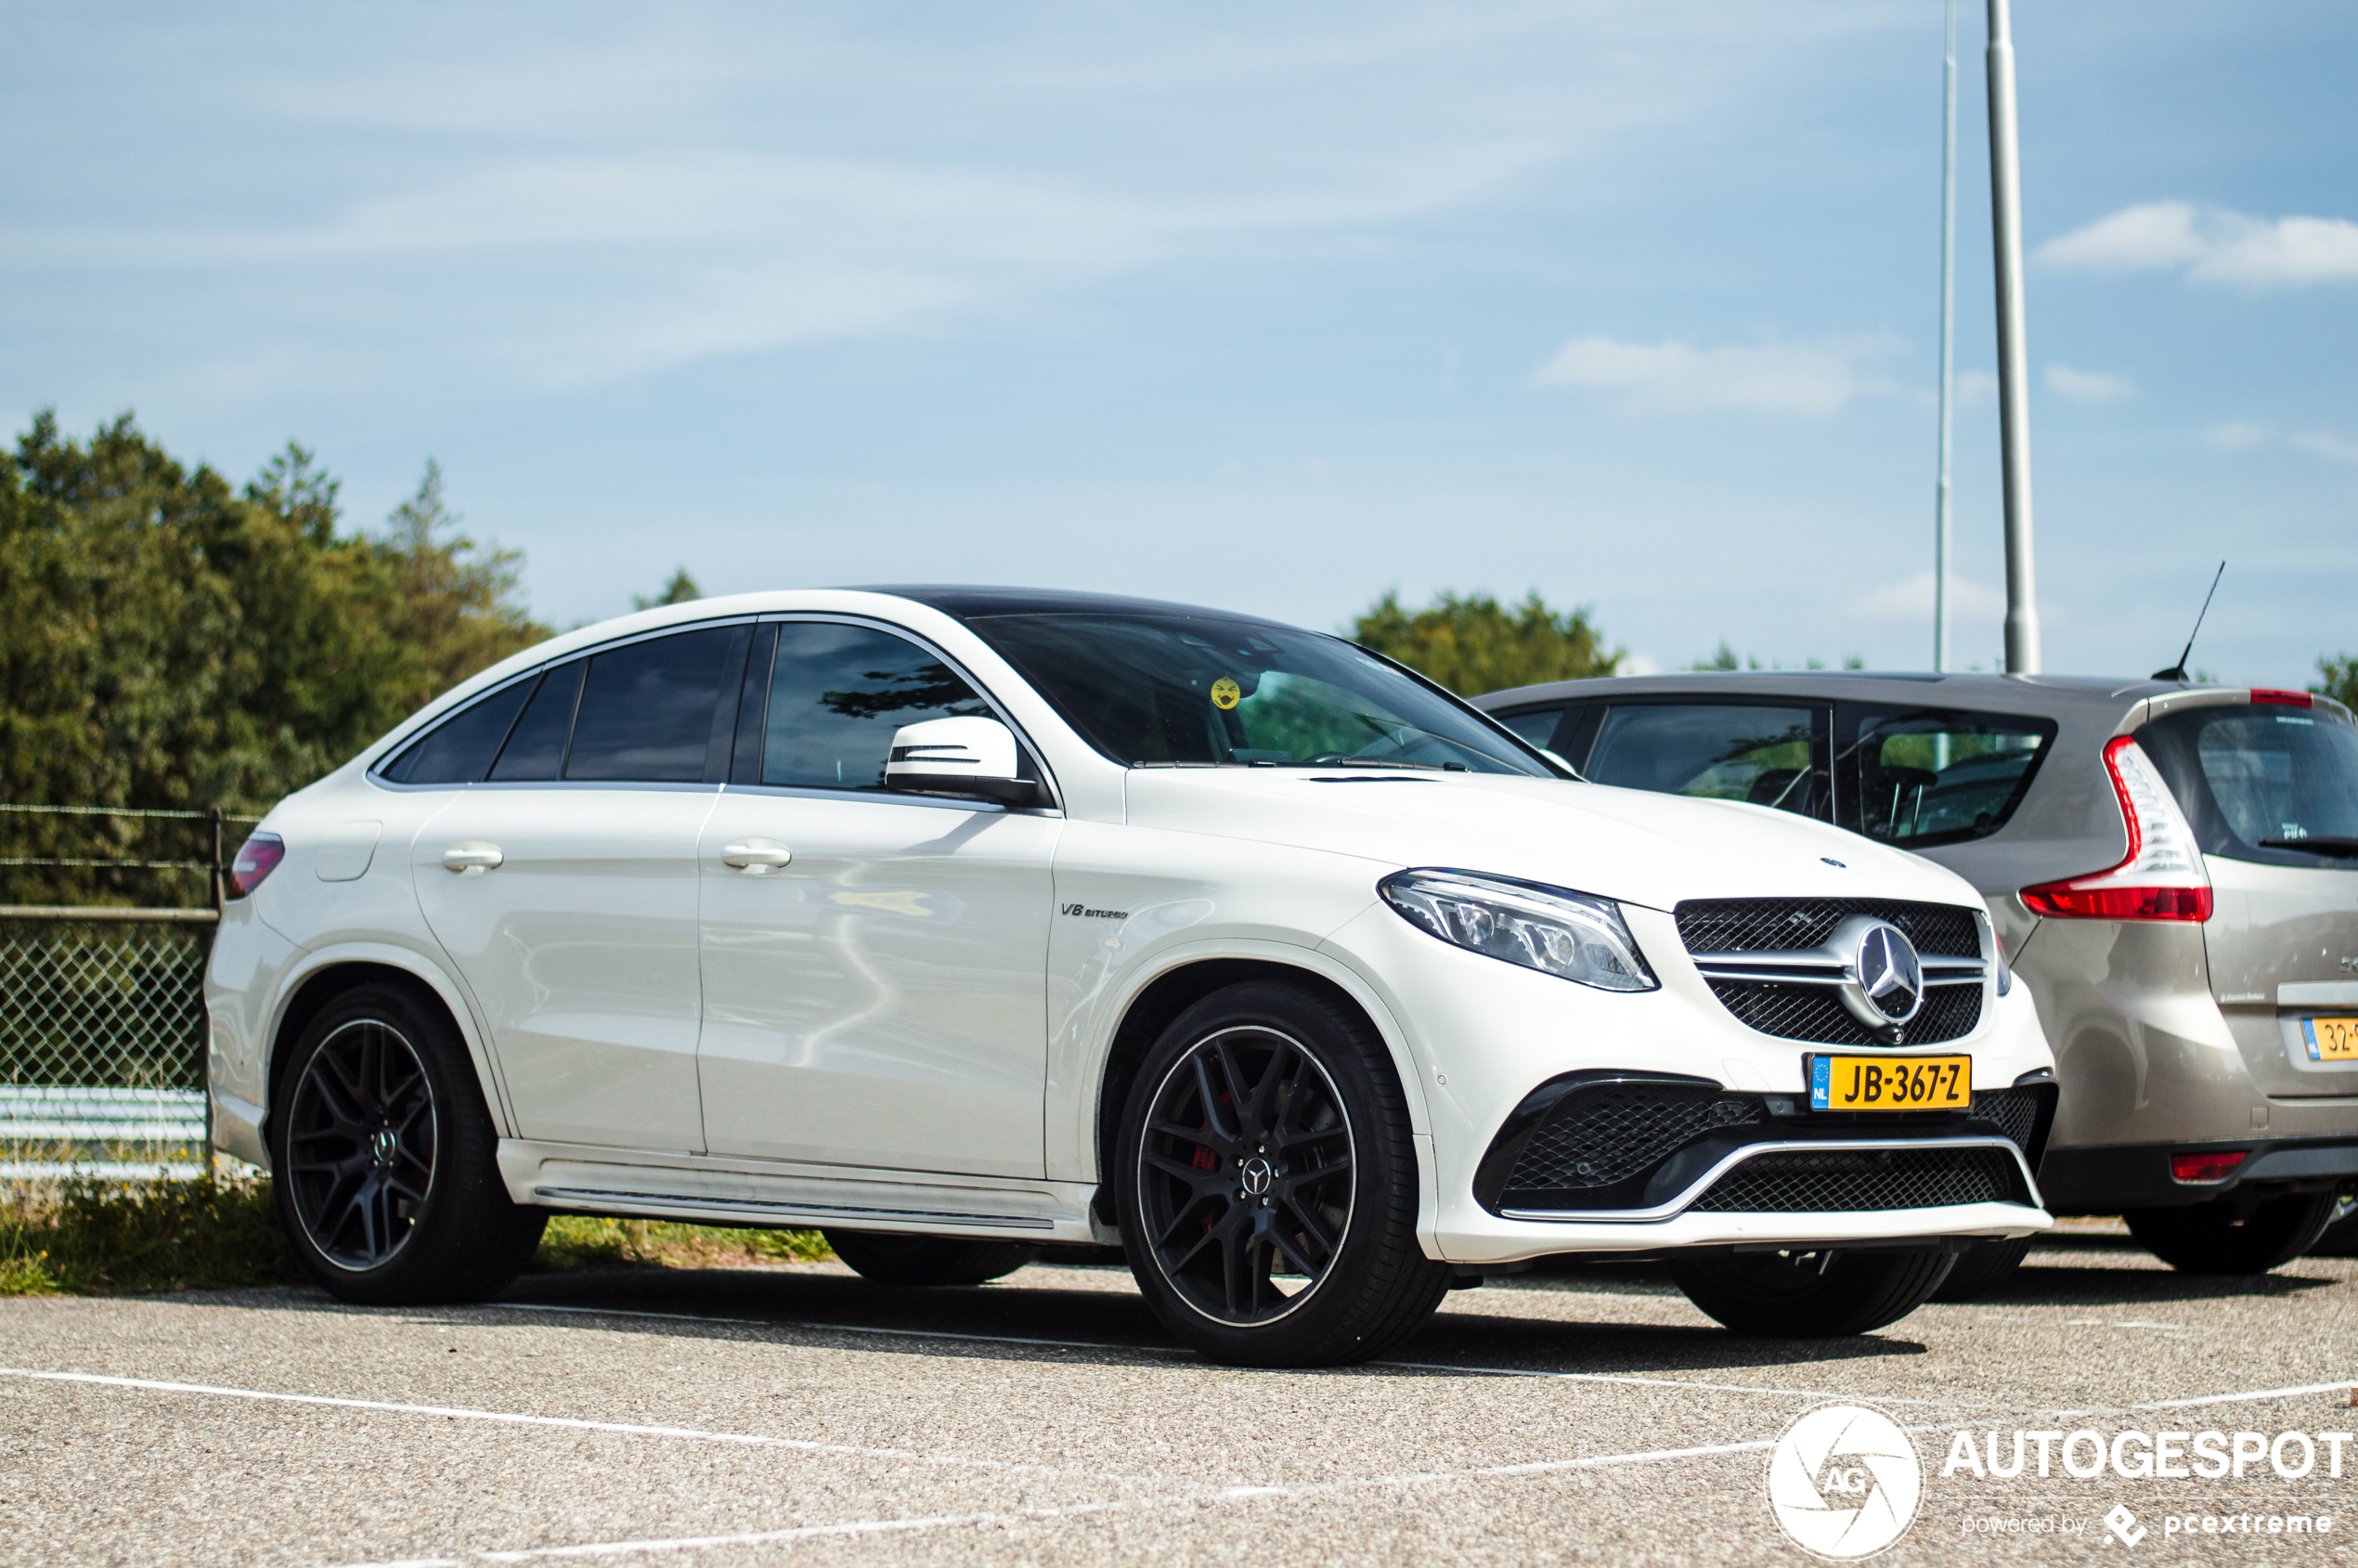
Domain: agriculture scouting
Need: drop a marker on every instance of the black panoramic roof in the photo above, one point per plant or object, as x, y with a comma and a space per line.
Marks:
967, 603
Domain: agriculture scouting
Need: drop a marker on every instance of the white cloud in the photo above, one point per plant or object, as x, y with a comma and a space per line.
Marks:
2088, 386
2236, 435
1812, 378
2213, 245
2334, 448
1974, 386
1911, 599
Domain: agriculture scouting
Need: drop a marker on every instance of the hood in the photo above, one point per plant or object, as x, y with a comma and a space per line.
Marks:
1628, 845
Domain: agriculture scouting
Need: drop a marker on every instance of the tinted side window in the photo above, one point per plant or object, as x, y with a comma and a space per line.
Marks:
1734, 751
1536, 725
535, 749
1917, 777
836, 694
652, 711
460, 749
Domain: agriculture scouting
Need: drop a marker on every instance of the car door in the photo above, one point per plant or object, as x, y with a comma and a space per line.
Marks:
1770, 753
563, 887
875, 964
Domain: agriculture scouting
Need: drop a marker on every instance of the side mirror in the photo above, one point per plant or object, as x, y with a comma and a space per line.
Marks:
974, 758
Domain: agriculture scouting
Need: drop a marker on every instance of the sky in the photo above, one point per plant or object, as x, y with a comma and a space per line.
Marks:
1270, 307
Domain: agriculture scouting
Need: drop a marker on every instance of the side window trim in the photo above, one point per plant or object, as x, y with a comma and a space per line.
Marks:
375, 772
748, 751
752, 706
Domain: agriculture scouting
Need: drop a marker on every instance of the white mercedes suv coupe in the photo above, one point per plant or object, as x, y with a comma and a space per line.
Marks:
960, 921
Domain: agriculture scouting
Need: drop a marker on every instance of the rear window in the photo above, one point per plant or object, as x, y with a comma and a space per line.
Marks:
1918, 777
2274, 785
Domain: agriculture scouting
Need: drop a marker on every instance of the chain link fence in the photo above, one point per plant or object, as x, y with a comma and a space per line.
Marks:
102, 1018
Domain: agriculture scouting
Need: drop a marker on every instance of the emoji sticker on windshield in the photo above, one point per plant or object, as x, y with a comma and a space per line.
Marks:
1224, 693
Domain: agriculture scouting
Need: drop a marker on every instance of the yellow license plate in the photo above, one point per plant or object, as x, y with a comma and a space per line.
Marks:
2331, 1040
1891, 1083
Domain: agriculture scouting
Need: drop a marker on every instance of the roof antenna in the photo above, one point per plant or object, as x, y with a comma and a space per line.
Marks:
2178, 671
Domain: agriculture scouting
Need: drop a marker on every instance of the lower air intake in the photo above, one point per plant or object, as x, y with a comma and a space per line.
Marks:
1849, 1180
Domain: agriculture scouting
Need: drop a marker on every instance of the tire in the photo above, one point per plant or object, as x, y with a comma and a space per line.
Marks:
1982, 1268
2340, 1237
383, 1160
2211, 1238
1267, 1184
886, 1259
1811, 1295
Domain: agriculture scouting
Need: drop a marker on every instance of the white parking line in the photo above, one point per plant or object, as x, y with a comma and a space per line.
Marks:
2342, 1386
945, 1521
509, 1418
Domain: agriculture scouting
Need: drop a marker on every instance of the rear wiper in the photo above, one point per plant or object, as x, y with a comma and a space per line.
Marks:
2322, 843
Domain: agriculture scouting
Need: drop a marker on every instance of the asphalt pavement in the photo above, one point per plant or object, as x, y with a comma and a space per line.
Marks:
798, 1414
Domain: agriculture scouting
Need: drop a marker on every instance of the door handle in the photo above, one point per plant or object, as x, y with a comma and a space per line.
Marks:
757, 857
470, 855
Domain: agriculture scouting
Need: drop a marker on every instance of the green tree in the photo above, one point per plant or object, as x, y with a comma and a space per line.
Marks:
167, 641
681, 589
455, 605
1474, 645
2339, 679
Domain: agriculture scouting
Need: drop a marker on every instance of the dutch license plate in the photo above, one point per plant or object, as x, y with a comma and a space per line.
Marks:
2331, 1040
1891, 1083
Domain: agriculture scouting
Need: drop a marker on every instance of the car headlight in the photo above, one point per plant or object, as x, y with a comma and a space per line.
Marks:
1551, 929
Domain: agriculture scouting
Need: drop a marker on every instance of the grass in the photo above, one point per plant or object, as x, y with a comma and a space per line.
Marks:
91, 1237
580, 1241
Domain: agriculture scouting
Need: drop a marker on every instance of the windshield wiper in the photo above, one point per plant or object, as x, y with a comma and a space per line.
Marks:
2322, 843
1379, 762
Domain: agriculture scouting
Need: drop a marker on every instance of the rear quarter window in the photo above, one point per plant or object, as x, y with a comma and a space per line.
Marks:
2274, 784
1918, 777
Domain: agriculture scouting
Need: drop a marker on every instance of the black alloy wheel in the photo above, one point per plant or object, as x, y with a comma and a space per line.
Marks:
1269, 1191
1809, 1295
1246, 1176
386, 1158
360, 1144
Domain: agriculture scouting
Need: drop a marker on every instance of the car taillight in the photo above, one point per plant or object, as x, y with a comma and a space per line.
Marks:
257, 857
2205, 1167
2163, 877
2282, 699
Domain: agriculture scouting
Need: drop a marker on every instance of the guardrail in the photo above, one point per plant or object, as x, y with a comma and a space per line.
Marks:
113, 1134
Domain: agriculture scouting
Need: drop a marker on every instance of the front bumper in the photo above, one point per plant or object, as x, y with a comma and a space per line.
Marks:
1493, 1239
1482, 1035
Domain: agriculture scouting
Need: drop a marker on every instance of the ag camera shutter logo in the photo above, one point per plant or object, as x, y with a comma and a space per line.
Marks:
1844, 1482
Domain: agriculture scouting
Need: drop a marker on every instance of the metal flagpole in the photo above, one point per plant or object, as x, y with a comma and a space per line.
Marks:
1948, 339
2014, 378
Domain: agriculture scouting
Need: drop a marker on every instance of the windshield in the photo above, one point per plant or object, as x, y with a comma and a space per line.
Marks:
1152, 690
2269, 783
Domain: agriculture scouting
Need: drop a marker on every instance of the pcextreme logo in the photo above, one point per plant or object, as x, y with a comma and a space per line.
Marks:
1844, 1482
